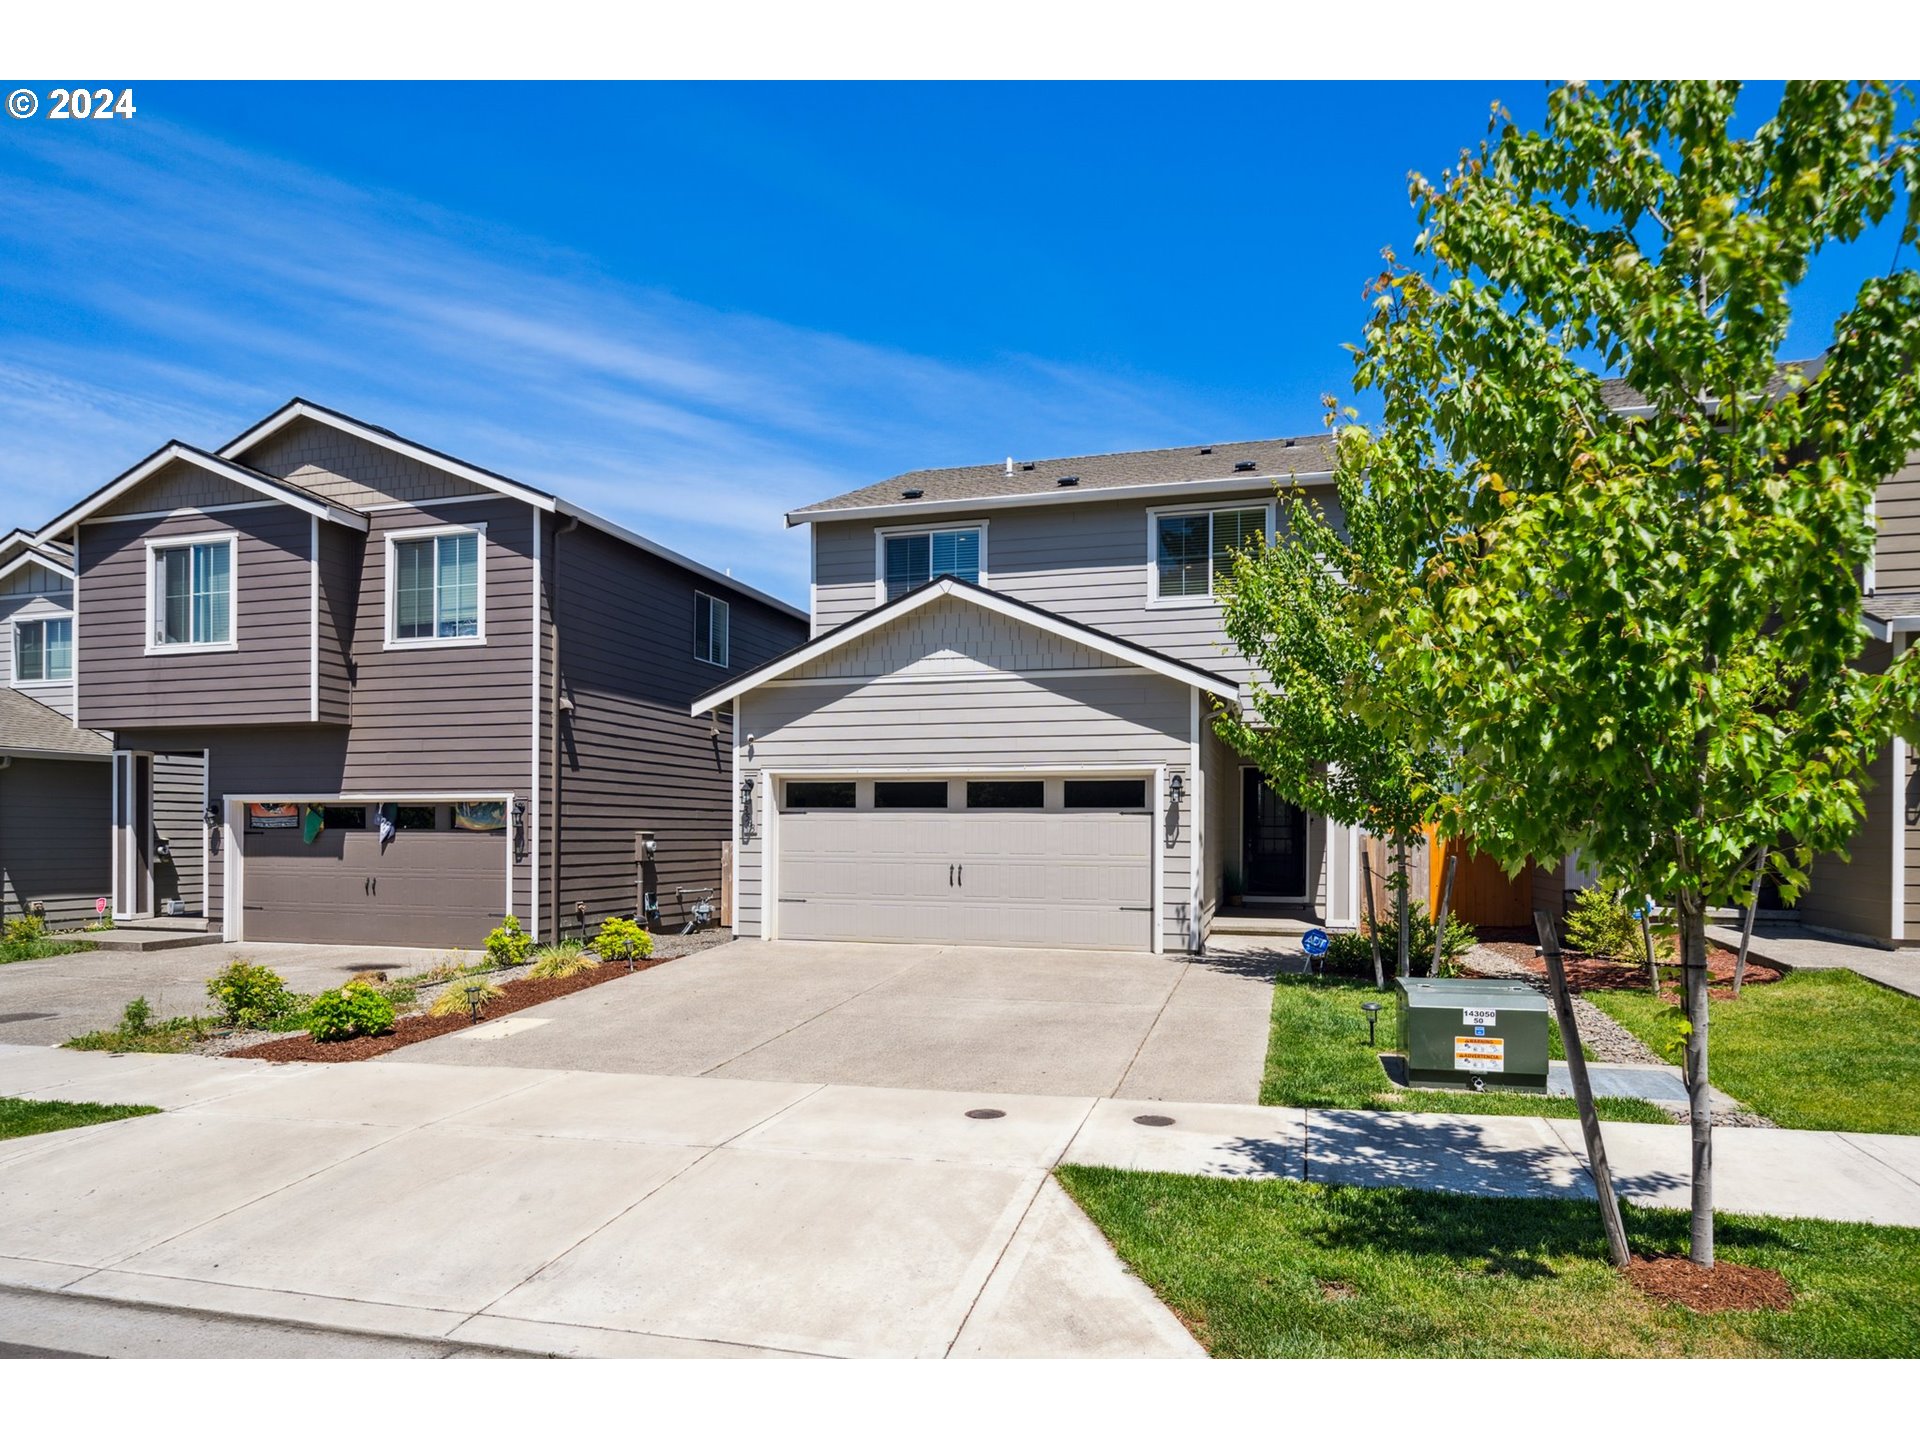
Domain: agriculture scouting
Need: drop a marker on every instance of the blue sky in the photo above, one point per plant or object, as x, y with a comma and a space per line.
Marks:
694, 307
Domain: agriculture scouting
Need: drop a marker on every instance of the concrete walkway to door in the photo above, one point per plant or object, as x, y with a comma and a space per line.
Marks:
916, 1017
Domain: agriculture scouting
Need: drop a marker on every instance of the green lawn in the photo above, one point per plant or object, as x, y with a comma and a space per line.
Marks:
41, 949
1317, 1056
1819, 1050
37, 1117
1286, 1268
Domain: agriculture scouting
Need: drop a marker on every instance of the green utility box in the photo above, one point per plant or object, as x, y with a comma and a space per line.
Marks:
1472, 1034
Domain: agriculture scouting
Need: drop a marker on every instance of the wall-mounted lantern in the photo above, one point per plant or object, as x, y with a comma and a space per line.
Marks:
519, 830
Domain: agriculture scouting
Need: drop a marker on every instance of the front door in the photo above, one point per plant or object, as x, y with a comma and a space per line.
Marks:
1273, 842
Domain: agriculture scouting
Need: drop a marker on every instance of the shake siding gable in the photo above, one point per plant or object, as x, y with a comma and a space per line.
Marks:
265, 680
180, 486
347, 470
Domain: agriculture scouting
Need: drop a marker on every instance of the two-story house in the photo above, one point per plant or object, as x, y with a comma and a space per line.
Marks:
362, 691
998, 732
53, 773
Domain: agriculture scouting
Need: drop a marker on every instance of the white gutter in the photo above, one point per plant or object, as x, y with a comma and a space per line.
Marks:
1077, 494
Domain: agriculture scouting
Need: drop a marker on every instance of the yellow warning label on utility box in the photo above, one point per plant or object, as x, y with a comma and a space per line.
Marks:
1472, 1052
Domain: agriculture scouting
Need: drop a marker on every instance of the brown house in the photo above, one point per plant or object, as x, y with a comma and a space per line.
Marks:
360, 691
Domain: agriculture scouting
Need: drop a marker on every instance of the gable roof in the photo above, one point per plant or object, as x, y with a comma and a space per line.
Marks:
1624, 399
18, 548
35, 731
1186, 470
274, 489
301, 409
941, 587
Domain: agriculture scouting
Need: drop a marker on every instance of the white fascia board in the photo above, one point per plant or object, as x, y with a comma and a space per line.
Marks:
27, 752
214, 465
1075, 495
35, 557
674, 557
1887, 629
987, 600
303, 410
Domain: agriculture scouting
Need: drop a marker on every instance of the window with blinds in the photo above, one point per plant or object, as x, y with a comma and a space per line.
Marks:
1192, 551
434, 592
913, 560
193, 594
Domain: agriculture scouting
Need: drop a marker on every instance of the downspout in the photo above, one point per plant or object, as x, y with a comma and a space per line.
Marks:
553, 725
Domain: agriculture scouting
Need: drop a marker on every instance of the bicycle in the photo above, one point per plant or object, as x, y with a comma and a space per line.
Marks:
700, 915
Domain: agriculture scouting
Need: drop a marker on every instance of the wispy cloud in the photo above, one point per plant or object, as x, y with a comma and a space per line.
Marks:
168, 284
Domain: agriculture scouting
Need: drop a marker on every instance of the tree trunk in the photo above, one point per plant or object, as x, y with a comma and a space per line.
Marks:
1746, 929
1610, 1220
1403, 964
1373, 925
1440, 915
1693, 959
1646, 938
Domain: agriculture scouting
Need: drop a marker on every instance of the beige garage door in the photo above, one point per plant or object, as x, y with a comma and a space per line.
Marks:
1081, 879
445, 887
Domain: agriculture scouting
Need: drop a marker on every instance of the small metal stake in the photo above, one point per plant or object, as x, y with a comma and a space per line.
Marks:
1372, 1007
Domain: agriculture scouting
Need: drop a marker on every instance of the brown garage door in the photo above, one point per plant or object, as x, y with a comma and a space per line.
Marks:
429, 887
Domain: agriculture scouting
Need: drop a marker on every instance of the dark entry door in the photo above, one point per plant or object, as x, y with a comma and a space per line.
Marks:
1273, 843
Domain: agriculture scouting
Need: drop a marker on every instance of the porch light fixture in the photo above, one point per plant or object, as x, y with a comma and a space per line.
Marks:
1372, 1007
519, 830
1177, 788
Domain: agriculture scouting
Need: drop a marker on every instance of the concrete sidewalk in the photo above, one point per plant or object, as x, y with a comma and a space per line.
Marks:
1800, 949
570, 1213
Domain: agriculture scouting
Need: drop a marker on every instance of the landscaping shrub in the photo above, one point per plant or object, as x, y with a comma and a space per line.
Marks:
1601, 923
250, 996
622, 940
139, 1031
24, 930
561, 961
464, 997
355, 1009
509, 943
1351, 953
25, 937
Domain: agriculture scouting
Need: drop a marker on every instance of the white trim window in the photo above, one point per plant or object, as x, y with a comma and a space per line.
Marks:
190, 593
910, 558
437, 587
42, 650
712, 629
1191, 549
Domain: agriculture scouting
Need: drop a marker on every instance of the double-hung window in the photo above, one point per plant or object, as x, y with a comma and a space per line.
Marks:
436, 590
42, 650
192, 589
712, 619
911, 560
1193, 549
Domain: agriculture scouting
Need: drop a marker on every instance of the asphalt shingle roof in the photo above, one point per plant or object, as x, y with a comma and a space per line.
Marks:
29, 728
1892, 605
1302, 455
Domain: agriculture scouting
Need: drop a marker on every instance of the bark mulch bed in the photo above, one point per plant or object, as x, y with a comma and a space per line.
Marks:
411, 1029
1724, 1287
1591, 972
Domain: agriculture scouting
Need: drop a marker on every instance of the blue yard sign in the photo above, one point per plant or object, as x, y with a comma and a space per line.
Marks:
1315, 942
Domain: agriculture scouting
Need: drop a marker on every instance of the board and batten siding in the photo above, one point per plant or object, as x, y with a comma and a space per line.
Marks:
1085, 561
959, 692
265, 680
54, 837
1896, 547
631, 756
35, 593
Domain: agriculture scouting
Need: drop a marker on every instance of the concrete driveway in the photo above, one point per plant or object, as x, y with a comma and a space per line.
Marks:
43, 1002
1035, 1022
574, 1214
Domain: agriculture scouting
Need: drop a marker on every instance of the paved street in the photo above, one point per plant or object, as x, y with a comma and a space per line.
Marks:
1034, 1022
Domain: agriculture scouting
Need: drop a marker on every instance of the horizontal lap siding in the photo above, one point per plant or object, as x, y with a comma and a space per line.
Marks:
1853, 893
179, 783
1896, 560
991, 721
266, 680
34, 601
632, 757
54, 836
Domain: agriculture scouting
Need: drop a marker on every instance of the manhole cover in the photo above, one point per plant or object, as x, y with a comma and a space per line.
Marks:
26, 1015
1155, 1120
986, 1114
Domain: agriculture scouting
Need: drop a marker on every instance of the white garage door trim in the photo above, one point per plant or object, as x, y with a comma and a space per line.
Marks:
233, 869
772, 781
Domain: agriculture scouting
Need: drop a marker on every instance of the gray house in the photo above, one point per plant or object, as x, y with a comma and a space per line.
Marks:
998, 730
53, 773
362, 691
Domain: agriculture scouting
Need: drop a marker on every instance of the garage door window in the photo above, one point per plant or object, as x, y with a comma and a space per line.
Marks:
1006, 794
1106, 794
416, 817
820, 794
909, 794
344, 817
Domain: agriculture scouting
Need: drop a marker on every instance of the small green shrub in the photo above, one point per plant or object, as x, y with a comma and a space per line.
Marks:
250, 996
1351, 953
508, 944
24, 930
1601, 923
139, 1031
561, 961
622, 940
355, 1009
466, 997
137, 1018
